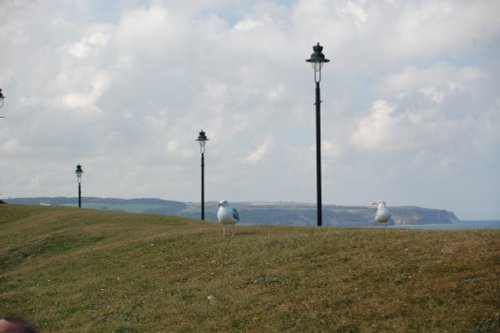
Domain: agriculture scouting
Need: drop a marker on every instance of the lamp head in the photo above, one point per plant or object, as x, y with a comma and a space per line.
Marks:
79, 172
317, 60
2, 97
202, 139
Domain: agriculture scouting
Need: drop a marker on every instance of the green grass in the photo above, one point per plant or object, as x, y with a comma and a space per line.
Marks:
79, 270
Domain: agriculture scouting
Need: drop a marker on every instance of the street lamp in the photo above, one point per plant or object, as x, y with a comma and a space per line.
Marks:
317, 61
202, 139
79, 173
2, 97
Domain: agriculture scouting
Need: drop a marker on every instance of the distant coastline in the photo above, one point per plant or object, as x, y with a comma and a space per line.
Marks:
271, 213
462, 225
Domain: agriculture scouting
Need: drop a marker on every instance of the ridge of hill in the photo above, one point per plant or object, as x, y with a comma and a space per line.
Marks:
256, 213
82, 270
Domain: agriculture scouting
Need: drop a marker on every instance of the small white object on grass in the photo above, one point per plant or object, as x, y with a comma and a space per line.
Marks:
227, 216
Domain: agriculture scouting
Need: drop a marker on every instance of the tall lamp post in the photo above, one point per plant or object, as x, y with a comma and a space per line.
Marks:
79, 173
202, 139
317, 61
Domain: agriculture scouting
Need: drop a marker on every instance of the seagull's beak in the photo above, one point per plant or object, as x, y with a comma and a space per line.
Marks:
375, 204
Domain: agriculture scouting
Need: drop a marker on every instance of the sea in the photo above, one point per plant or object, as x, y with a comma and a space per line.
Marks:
481, 224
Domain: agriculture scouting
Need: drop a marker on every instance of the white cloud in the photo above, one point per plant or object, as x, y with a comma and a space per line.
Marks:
420, 110
260, 152
383, 130
357, 11
436, 82
425, 28
155, 31
9, 146
178, 149
247, 25
90, 44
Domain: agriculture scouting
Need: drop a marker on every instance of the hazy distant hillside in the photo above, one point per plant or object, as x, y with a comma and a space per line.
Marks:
257, 213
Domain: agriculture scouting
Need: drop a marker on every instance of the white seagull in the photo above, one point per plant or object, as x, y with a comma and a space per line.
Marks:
383, 214
227, 216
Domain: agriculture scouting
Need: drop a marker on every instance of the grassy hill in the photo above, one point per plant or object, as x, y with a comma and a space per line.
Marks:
79, 270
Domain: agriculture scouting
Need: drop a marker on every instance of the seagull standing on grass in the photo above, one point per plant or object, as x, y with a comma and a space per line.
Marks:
227, 216
383, 214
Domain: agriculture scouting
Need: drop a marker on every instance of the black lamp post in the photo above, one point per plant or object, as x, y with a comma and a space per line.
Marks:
318, 60
79, 173
202, 139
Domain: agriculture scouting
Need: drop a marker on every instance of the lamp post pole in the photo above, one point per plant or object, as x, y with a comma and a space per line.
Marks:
79, 172
202, 139
319, 193
318, 60
203, 186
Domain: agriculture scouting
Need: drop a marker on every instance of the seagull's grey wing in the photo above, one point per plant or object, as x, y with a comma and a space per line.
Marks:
236, 215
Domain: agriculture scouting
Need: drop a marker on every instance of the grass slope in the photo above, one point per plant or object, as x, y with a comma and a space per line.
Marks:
78, 270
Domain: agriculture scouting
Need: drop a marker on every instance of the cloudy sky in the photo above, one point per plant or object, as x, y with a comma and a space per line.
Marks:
410, 112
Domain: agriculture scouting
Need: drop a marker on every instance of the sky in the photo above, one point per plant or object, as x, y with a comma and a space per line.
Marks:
410, 101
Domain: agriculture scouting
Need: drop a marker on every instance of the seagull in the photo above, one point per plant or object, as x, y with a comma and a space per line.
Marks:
227, 216
383, 214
